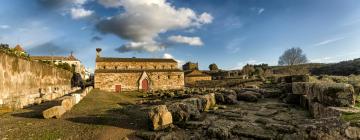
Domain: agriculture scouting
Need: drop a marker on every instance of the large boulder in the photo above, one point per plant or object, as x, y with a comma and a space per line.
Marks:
353, 132
182, 112
56, 111
209, 101
328, 94
198, 103
249, 96
230, 98
159, 117
68, 102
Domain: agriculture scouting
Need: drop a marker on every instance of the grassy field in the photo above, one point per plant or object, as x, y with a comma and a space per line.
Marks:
100, 115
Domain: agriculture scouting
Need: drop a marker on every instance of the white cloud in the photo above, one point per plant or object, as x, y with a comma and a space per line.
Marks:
260, 11
79, 13
325, 42
169, 56
193, 41
4, 26
144, 20
140, 47
79, 2
233, 46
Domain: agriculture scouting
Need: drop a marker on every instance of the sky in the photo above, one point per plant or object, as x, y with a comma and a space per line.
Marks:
230, 33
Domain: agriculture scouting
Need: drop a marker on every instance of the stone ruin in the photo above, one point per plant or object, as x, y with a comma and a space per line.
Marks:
294, 109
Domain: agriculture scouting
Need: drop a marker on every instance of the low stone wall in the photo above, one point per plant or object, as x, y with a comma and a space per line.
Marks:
325, 99
24, 82
65, 103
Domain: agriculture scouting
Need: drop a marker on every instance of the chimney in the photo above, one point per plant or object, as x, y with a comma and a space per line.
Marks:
98, 50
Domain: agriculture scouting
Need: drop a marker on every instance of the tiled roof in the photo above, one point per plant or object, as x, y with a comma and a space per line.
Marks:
64, 58
135, 71
113, 59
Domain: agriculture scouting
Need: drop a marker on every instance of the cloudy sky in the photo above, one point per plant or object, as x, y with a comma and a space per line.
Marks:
230, 33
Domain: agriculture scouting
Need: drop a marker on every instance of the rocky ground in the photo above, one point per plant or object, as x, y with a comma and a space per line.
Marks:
201, 113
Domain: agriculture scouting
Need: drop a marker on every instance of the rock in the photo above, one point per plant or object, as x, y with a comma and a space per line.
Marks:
37, 101
159, 117
230, 99
194, 124
222, 107
182, 112
272, 93
251, 130
56, 111
320, 111
77, 97
262, 121
219, 98
352, 132
198, 103
252, 86
220, 129
281, 128
249, 96
68, 102
328, 94
209, 101
266, 112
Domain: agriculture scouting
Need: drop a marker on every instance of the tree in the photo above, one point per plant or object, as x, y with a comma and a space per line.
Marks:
213, 67
293, 56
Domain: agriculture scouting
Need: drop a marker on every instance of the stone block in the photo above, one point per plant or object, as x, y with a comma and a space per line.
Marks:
302, 88
37, 100
56, 111
159, 117
68, 102
320, 111
210, 101
333, 94
77, 97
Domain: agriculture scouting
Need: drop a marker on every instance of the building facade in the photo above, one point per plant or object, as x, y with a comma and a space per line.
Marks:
192, 77
131, 74
71, 60
189, 66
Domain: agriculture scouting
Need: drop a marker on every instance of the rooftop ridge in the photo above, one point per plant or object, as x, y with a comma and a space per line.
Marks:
119, 59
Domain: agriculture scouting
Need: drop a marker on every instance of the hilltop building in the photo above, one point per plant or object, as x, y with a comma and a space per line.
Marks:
71, 60
131, 74
189, 66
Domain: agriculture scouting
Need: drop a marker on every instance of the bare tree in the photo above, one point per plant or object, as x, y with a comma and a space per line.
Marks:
293, 56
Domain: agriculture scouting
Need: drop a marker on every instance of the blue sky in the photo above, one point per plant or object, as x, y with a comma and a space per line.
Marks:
230, 33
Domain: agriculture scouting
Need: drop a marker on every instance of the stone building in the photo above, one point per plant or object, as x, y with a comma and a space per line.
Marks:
196, 75
189, 66
71, 60
131, 74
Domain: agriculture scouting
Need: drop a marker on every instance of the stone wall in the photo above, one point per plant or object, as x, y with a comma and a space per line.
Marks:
325, 99
136, 65
193, 79
24, 82
129, 81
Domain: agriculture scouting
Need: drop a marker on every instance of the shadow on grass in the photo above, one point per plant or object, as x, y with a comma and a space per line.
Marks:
128, 116
35, 111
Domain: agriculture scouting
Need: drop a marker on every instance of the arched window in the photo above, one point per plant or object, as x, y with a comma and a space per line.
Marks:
116, 67
169, 76
104, 67
159, 77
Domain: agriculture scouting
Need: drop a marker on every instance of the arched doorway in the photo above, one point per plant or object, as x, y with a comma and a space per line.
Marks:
145, 85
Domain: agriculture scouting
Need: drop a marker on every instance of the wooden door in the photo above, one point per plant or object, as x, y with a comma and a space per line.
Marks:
145, 85
117, 88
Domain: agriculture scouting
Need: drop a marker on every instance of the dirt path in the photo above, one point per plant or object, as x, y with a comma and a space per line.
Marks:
100, 115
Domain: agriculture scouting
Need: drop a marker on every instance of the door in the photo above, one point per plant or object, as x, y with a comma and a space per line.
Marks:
117, 88
145, 85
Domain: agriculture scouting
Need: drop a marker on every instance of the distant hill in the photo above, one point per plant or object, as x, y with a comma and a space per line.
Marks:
343, 68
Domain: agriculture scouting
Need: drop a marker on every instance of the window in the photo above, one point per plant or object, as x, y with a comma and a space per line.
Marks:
126, 67
104, 67
142, 67
163, 66
116, 67
154, 67
172, 66
179, 76
169, 76
159, 77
